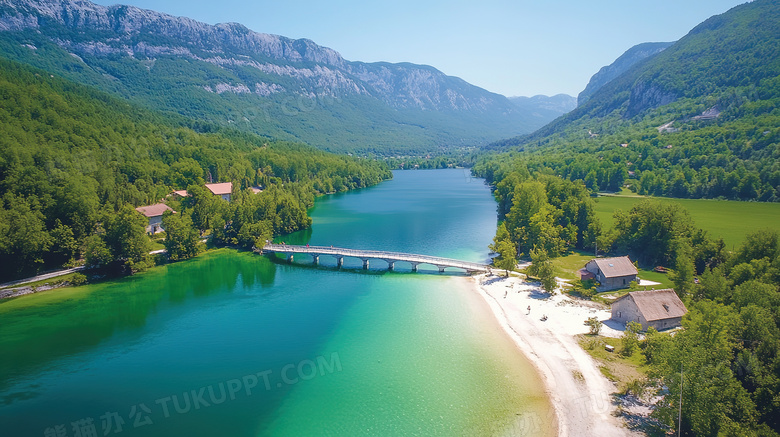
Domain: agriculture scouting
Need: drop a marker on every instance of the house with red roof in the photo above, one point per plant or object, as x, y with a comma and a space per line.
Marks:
154, 213
222, 189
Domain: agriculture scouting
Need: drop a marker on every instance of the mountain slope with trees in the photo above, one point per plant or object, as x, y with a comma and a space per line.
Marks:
266, 84
699, 120
75, 161
622, 64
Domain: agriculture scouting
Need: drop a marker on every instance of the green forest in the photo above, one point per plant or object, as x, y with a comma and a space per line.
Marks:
730, 346
74, 162
735, 157
699, 120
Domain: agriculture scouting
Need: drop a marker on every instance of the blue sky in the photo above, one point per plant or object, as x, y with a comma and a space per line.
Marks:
512, 47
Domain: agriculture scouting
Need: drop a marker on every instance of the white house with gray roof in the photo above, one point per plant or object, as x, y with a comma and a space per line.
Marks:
661, 309
612, 273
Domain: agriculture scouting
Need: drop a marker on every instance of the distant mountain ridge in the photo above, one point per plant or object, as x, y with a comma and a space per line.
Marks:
715, 64
268, 84
560, 103
622, 64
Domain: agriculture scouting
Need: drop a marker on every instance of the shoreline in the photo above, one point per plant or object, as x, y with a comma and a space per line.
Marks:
580, 395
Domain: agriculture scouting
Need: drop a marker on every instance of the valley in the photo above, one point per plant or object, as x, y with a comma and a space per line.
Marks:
156, 155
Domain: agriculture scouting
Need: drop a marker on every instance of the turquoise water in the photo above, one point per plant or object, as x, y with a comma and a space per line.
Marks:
237, 344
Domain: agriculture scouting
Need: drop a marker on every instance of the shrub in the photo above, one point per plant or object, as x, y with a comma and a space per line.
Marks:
595, 325
78, 279
630, 339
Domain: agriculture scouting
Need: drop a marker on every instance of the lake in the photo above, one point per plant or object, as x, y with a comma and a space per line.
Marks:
234, 343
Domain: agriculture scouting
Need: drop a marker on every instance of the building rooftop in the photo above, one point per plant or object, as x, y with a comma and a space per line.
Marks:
155, 210
616, 267
657, 304
221, 188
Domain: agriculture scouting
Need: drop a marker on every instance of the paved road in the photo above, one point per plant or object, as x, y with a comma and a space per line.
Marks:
42, 277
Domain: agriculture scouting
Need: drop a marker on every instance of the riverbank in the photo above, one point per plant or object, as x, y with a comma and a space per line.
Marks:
580, 394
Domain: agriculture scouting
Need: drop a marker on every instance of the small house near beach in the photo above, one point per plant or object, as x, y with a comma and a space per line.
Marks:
154, 213
612, 273
661, 309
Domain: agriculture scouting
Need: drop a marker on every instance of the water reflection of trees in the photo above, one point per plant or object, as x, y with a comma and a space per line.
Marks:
48, 329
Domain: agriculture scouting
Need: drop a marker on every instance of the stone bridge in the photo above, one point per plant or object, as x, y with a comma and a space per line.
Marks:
365, 255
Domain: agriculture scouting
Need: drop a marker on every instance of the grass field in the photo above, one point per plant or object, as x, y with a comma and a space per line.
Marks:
566, 267
730, 220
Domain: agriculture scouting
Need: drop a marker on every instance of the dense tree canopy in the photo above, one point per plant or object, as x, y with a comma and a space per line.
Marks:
75, 162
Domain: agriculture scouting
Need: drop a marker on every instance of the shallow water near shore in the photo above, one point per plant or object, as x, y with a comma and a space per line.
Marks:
238, 344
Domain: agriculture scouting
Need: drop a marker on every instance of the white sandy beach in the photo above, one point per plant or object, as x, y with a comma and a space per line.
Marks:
580, 394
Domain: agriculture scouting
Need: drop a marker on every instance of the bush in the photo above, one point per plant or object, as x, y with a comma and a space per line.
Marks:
630, 339
78, 279
595, 325
636, 387
594, 343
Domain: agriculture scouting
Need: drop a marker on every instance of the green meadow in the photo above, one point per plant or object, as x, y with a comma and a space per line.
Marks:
727, 219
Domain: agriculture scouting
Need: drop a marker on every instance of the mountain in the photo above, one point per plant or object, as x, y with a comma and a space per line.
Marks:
546, 107
267, 84
621, 65
698, 119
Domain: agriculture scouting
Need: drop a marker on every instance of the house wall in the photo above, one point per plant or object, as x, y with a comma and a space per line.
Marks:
660, 325
155, 225
625, 310
618, 282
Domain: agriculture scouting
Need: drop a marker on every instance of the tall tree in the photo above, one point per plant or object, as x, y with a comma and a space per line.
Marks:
181, 237
542, 267
127, 239
682, 276
505, 248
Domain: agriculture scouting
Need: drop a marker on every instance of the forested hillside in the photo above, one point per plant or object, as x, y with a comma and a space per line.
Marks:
699, 120
266, 84
74, 161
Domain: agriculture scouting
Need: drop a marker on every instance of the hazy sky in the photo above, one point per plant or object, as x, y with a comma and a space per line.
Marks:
511, 47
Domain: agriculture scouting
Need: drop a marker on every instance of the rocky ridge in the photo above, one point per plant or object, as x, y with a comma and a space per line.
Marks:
85, 28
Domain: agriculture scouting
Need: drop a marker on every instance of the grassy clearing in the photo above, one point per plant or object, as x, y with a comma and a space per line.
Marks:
727, 219
617, 368
566, 266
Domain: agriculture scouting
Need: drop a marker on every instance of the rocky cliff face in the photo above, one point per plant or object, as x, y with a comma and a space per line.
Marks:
128, 22
319, 71
622, 64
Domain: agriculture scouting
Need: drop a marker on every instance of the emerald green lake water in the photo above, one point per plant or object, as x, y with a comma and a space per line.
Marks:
237, 344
